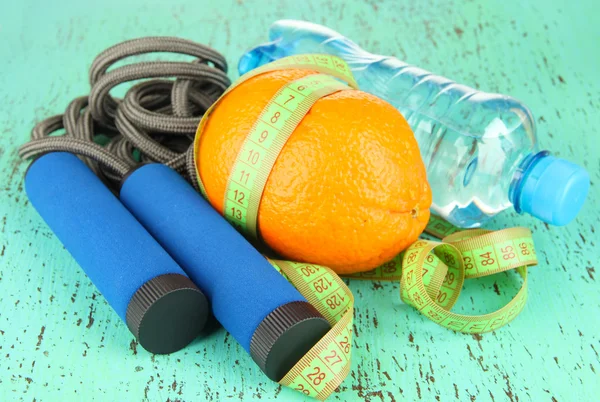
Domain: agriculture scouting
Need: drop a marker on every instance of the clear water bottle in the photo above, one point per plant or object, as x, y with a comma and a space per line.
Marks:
480, 149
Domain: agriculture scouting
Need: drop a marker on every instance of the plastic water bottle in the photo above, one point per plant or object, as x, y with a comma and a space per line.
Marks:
480, 149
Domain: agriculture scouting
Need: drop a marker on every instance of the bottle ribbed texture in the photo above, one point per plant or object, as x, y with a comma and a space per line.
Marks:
149, 293
276, 324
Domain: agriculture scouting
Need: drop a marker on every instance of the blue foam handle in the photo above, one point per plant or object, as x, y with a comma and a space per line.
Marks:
241, 285
109, 244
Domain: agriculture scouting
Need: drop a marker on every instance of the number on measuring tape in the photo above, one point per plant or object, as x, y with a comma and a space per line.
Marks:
390, 267
263, 135
321, 285
334, 301
309, 270
449, 258
315, 375
333, 358
236, 214
468, 261
301, 388
254, 155
508, 253
486, 259
449, 279
412, 257
441, 297
345, 344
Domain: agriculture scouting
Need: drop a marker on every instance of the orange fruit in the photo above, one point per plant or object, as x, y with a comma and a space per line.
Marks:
349, 188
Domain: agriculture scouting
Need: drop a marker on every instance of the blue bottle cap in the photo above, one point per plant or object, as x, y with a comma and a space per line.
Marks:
553, 190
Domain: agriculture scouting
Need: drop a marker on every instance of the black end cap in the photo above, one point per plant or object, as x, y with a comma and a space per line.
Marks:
166, 313
285, 336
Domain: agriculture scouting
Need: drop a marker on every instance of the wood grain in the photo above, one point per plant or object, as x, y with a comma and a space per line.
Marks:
59, 340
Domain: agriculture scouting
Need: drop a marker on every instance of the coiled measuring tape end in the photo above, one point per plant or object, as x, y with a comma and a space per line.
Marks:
285, 335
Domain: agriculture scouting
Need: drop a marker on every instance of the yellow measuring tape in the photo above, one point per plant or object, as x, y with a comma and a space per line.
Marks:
327, 364
279, 130
263, 144
431, 273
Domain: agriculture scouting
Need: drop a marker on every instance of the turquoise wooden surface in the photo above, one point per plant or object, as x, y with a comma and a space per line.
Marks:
60, 341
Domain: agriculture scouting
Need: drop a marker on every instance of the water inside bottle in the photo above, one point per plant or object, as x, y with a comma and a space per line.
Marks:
471, 142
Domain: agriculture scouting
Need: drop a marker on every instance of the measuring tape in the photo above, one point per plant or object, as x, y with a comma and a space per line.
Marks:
431, 274
331, 66
327, 364
263, 144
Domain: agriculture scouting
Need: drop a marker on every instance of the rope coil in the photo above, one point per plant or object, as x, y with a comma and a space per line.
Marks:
158, 116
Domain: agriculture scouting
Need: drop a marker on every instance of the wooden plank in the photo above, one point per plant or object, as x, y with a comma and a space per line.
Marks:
59, 340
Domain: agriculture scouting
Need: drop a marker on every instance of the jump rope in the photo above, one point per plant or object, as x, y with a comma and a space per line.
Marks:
157, 117
163, 257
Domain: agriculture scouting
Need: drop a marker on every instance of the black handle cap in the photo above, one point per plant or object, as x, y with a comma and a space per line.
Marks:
166, 313
285, 335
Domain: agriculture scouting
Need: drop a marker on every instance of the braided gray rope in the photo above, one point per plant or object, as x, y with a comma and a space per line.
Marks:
157, 117
76, 146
